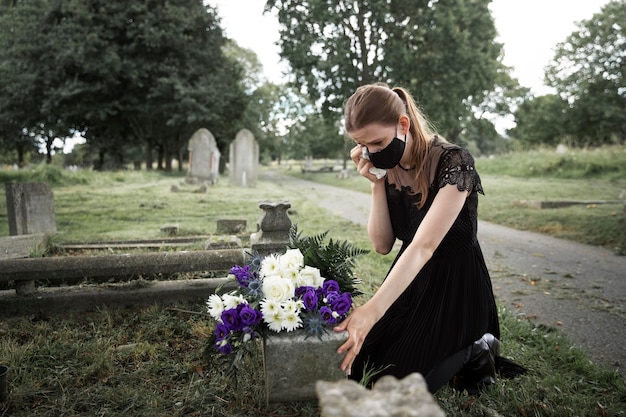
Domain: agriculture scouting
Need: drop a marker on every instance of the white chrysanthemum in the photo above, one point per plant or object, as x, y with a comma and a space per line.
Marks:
270, 265
311, 276
215, 306
292, 259
272, 314
270, 307
277, 288
232, 301
291, 274
291, 321
290, 306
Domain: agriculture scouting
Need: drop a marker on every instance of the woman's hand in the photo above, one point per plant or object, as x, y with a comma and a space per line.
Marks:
363, 165
358, 324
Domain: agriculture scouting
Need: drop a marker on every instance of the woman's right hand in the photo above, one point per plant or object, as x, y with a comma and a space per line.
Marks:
363, 165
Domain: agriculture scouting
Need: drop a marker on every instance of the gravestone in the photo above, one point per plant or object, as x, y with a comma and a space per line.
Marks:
30, 208
389, 397
273, 227
244, 160
204, 158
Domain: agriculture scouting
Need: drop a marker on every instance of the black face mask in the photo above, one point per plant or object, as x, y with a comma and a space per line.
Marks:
390, 155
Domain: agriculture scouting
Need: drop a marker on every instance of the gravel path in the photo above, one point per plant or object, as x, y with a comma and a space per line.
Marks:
577, 289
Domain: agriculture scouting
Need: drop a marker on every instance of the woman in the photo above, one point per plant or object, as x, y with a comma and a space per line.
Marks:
435, 311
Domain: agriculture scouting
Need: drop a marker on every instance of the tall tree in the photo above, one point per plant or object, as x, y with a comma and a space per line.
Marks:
541, 121
443, 51
151, 67
28, 76
588, 72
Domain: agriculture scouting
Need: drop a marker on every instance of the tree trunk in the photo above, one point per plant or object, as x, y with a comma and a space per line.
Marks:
160, 157
20, 155
49, 150
149, 159
168, 161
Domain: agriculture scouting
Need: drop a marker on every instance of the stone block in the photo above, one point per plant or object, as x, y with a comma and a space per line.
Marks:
30, 208
294, 363
389, 397
222, 242
234, 226
170, 229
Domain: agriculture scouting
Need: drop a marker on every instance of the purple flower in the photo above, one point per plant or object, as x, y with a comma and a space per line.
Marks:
243, 274
330, 285
300, 291
342, 304
309, 299
331, 296
221, 331
231, 319
327, 315
249, 316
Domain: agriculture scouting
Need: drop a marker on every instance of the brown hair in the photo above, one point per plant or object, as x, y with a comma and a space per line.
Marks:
377, 103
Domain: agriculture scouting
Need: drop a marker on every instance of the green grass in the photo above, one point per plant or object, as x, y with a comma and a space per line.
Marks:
154, 361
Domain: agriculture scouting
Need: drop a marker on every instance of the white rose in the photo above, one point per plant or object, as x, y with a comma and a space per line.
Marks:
311, 277
277, 288
292, 259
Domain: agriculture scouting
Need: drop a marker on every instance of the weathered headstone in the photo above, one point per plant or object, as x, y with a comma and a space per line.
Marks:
231, 225
273, 226
30, 208
294, 361
204, 157
389, 397
244, 160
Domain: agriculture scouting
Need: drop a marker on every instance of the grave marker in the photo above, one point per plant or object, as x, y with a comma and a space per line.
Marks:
244, 160
30, 208
204, 157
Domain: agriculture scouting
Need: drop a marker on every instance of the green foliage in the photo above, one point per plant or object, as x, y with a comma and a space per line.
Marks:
143, 73
588, 74
334, 259
541, 121
429, 47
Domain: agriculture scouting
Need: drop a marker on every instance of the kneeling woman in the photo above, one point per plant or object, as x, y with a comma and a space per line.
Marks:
435, 311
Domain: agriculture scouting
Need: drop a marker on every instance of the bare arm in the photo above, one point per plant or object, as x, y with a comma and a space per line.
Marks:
436, 224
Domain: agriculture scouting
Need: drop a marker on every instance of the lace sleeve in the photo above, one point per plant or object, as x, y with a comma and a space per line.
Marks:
457, 167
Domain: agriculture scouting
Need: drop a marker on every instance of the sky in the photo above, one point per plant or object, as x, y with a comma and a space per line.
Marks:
529, 30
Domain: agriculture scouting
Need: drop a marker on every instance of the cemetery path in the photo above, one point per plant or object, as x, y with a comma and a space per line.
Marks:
578, 289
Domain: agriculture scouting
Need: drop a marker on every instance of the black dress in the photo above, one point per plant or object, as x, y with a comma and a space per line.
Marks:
449, 305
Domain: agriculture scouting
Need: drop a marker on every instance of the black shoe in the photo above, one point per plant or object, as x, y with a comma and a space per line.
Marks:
480, 369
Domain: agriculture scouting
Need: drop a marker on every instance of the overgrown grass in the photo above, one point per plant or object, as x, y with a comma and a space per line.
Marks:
153, 361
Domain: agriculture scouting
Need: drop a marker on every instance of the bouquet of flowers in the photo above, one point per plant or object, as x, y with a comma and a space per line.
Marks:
284, 292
